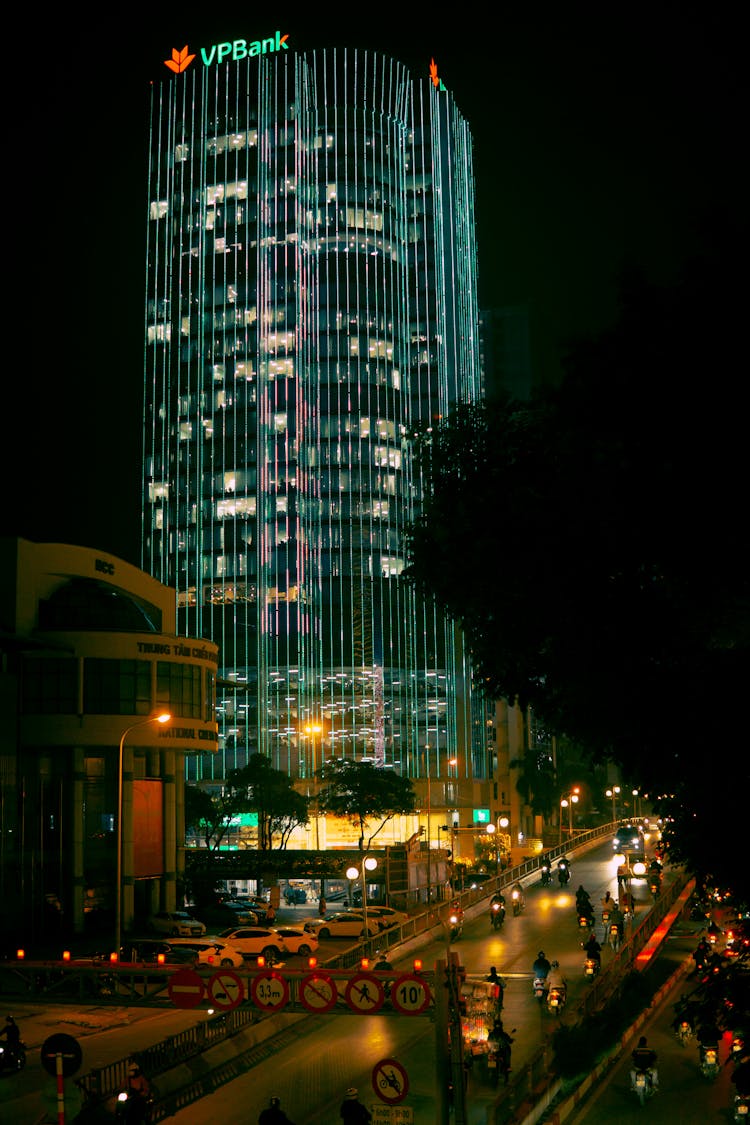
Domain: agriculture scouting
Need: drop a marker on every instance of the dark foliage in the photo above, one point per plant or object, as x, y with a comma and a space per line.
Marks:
593, 546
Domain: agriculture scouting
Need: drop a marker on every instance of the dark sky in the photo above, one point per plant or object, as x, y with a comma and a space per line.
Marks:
602, 138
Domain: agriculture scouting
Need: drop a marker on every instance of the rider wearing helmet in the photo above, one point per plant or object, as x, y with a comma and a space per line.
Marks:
12, 1034
541, 966
273, 1114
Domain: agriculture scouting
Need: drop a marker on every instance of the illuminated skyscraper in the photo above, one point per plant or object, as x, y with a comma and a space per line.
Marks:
312, 301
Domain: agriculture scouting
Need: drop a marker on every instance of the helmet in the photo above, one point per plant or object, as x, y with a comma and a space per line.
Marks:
134, 1068
540, 954
351, 1093
275, 1102
642, 1041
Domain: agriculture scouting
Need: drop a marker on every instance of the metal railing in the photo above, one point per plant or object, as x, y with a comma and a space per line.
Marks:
102, 1082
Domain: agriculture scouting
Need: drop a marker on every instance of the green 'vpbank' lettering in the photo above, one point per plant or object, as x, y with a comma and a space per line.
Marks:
241, 49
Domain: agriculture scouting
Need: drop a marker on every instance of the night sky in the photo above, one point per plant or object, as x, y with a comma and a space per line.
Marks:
602, 139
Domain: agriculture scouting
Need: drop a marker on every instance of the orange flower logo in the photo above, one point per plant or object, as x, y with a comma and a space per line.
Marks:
180, 60
433, 73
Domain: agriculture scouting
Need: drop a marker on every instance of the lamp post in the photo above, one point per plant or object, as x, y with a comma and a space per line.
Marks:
636, 802
313, 730
368, 864
162, 718
613, 794
567, 802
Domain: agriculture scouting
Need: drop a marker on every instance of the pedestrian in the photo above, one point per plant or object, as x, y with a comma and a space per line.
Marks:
273, 1114
352, 1111
322, 907
270, 915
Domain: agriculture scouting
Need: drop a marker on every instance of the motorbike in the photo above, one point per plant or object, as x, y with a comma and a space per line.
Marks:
741, 1108
605, 918
737, 1046
563, 872
540, 987
12, 1061
654, 886
709, 1060
456, 927
684, 1032
590, 968
546, 875
585, 920
556, 998
132, 1108
518, 902
643, 1084
498, 1059
614, 936
497, 915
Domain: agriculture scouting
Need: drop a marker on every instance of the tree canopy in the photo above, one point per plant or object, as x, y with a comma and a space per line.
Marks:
592, 544
362, 792
258, 788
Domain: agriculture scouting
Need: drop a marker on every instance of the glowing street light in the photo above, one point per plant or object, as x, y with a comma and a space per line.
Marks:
567, 802
613, 794
162, 718
369, 863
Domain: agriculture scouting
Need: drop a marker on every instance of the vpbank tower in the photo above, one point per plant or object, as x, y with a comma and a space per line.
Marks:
311, 304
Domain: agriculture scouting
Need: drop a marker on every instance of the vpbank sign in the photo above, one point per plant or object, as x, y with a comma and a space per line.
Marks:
236, 50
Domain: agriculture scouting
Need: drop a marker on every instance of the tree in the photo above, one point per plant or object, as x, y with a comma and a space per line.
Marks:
360, 792
602, 528
256, 787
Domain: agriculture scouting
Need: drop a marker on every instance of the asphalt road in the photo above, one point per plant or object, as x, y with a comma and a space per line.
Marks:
321, 1056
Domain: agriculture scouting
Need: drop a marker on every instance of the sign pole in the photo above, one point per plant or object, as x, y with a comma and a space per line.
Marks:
60, 1088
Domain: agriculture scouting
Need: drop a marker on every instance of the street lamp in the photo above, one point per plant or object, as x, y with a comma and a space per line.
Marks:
313, 730
636, 797
613, 794
162, 718
567, 802
368, 864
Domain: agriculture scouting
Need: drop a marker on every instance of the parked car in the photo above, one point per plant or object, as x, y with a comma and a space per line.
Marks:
386, 916
176, 923
297, 939
346, 923
212, 951
147, 951
256, 941
220, 915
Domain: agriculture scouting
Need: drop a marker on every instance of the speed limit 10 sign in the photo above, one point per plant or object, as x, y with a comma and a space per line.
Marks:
410, 994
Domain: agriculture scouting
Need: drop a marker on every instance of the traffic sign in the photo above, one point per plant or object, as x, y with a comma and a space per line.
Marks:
390, 1081
68, 1048
186, 989
365, 994
318, 993
410, 994
270, 991
225, 990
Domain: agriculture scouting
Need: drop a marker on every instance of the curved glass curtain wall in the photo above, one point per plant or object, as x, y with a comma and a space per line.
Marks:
311, 299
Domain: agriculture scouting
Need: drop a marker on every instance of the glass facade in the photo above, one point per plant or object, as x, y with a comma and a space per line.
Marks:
311, 302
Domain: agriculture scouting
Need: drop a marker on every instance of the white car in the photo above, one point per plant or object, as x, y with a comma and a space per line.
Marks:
347, 923
176, 923
256, 941
386, 916
212, 951
297, 939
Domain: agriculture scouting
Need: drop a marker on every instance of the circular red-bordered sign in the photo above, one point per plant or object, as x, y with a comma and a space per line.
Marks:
186, 989
225, 990
270, 991
410, 994
390, 1081
365, 994
318, 993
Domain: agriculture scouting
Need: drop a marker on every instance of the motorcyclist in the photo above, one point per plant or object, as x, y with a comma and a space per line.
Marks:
644, 1058
493, 978
382, 964
138, 1083
593, 949
517, 890
617, 918
555, 977
12, 1034
273, 1114
607, 904
701, 953
498, 897
499, 1038
583, 898
541, 966
563, 871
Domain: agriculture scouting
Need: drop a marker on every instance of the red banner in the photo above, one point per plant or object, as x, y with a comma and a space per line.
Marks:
148, 829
